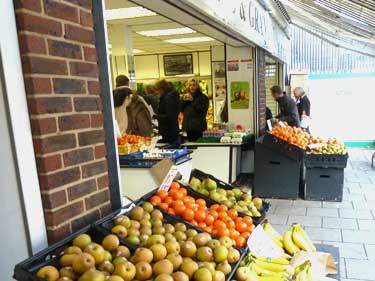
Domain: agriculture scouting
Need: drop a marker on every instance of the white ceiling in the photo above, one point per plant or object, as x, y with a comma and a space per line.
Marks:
152, 45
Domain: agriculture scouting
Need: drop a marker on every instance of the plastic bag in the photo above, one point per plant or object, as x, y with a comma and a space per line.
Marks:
305, 121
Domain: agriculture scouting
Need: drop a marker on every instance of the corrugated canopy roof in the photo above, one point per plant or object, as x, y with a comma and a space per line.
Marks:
346, 23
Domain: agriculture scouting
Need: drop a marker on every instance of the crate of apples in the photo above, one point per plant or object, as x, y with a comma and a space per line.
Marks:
216, 219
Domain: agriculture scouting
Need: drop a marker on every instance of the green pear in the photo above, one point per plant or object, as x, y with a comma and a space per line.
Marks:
49, 273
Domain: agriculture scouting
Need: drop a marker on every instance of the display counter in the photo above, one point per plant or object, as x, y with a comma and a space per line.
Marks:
221, 159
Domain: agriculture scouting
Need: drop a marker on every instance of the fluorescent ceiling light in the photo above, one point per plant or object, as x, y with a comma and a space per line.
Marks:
166, 32
189, 40
127, 13
136, 51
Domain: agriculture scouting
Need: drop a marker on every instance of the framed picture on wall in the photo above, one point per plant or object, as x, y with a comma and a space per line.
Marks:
178, 64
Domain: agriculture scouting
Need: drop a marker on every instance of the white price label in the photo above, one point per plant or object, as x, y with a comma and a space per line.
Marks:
316, 145
125, 210
261, 244
165, 185
269, 124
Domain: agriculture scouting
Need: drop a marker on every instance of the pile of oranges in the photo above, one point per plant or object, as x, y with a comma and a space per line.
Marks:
216, 219
132, 139
293, 135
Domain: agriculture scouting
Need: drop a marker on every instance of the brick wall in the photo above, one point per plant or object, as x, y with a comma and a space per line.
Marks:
60, 68
261, 91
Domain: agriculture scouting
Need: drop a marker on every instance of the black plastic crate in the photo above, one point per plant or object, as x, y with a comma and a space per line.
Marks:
276, 176
26, 270
338, 161
324, 184
283, 147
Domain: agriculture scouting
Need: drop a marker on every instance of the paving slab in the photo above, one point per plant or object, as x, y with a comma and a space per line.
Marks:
283, 210
340, 223
360, 269
324, 234
306, 221
358, 236
355, 214
322, 212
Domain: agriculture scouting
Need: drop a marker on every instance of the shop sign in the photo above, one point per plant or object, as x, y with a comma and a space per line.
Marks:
251, 20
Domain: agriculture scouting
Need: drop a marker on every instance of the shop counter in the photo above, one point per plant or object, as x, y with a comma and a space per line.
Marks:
220, 159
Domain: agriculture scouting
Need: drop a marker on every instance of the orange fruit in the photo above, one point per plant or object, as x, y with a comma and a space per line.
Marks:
241, 227
171, 211
155, 200
177, 203
162, 194
202, 225
245, 235
248, 220
175, 185
188, 214
164, 206
232, 213
219, 224
178, 195
190, 205
201, 202
188, 199
208, 228
234, 234
223, 232
222, 208
214, 207
200, 215
209, 219
183, 191
194, 222
240, 241
179, 209
168, 200
214, 214
230, 224
223, 215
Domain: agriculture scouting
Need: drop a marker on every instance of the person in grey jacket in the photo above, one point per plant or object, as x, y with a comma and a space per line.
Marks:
288, 108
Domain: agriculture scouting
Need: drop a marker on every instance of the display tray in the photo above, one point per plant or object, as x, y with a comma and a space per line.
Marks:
136, 160
283, 147
201, 175
338, 161
26, 270
107, 225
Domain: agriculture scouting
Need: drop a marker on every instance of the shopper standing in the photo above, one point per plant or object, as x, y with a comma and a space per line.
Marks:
151, 97
194, 106
288, 109
303, 106
167, 114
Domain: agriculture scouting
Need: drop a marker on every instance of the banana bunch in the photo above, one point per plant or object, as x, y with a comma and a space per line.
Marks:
275, 236
295, 239
302, 272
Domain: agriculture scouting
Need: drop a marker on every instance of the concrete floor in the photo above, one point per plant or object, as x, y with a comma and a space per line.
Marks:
349, 225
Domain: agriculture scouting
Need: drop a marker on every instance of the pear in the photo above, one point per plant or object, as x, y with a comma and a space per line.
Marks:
83, 262
137, 213
202, 274
180, 227
134, 232
122, 220
155, 239
49, 273
188, 249
95, 250
195, 183
224, 267
119, 260
176, 260
180, 276
191, 232
162, 267
147, 207
163, 277
72, 250
142, 254
135, 224
115, 278
169, 228
159, 251
143, 271
226, 241
169, 237
205, 254
242, 273
125, 270
258, 203
218, 276
122, 251
158, 230
68, 272
133, 239
64, 278
145, 223
81, 241
172, 247
180, 236
220, 253
111, 242
92, 275
157, 214
237, 193
120, 230
213, 243
67, 260
201, 239
233, 255
106, 266
145, 230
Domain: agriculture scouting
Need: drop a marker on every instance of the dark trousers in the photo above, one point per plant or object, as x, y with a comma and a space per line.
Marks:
193, 136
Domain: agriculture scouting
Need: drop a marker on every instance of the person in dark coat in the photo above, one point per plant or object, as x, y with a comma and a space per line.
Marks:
151, 97
194, 106
167, 114
303, 106
287, 106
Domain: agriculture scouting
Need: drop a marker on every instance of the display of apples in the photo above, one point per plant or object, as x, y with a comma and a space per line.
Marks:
331, 148
166, 252
235, 198
216, 219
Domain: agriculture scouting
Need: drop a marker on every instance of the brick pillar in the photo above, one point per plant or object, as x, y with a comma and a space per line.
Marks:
61, 78
261, 90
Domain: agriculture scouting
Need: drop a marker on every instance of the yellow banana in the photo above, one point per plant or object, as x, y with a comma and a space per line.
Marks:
289, 245
281, 260
270, 266
264, 272
252, 276
276, 237
302, 240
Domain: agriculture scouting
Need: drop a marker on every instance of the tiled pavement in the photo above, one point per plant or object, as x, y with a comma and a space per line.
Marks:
349, 225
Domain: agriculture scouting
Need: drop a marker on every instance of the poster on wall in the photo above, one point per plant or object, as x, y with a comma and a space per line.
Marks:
219, 87
239, 94
178, 64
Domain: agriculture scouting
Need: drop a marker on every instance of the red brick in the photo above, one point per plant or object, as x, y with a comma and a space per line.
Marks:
33, 5
74, 122
94, 87
54, 143
87, 104
103, 181
54, 200
68, 86
100, 151
97, 199
38, 24
96, 120
59, 10
60, 178
44, 66
63, 214
47, 164
78, 156
59, 233
106, 209
85, 220
86, 19
64, 49
84, 69
31, 44
43, 126
79, 34
90, 54
91, 137
36, 85
93, 169
81, 189
87, 4
49, 105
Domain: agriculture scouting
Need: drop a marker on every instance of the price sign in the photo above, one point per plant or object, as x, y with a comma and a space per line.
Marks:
261, 244
125, 210
165, 185
316, 145
269, 124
